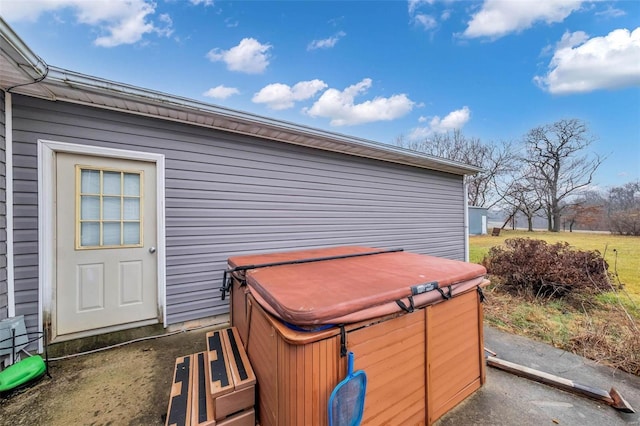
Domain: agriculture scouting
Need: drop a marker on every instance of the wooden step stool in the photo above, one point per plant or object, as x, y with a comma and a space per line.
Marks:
216, 387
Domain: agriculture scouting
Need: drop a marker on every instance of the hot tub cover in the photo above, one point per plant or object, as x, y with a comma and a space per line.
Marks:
352, 289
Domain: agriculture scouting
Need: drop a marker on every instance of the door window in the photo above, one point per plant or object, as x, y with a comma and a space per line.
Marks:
108, 208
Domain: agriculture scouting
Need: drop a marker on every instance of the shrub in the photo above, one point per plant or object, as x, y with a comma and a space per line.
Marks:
534, 268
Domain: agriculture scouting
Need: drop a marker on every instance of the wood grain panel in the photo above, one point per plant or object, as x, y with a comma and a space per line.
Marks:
306, 375
262, 351
453, 368
233, 402
238, 310
411, 412
245, 418
392, 355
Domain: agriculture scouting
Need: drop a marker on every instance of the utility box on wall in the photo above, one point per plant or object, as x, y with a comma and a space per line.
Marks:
13, 338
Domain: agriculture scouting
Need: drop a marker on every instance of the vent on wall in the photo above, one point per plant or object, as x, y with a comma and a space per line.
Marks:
13, 338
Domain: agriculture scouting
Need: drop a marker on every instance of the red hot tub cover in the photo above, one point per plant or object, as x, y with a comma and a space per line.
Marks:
354, 288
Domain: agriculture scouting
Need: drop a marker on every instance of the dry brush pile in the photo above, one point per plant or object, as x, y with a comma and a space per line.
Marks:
541, 276
534, 268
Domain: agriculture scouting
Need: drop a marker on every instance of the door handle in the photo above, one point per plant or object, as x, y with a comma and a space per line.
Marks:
152, 250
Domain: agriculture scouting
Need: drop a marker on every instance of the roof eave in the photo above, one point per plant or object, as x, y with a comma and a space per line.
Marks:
22, 57
308, 136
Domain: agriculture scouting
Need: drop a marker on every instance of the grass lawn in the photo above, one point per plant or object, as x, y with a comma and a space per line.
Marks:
605, 328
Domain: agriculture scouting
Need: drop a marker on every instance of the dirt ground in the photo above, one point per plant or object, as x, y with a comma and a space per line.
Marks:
128, 385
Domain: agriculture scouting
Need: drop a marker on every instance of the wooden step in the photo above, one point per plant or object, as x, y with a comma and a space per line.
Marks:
179, 410
232, 385
216, 387
220, 371
202, 411
244, 418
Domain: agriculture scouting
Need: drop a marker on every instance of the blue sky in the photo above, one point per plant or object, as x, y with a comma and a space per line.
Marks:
374, 69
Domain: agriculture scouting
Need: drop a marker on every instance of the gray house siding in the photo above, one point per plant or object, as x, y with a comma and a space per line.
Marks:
3, 215
228, 194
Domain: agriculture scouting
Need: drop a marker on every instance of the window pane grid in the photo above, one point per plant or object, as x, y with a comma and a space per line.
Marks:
109, 208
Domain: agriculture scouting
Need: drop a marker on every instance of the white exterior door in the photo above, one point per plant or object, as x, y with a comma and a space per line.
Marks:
106, 264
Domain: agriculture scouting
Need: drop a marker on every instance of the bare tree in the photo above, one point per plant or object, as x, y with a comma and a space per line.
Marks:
495, 160
624, 209
557, 155
520, 195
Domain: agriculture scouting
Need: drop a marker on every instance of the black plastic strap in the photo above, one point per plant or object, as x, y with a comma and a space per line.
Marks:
445, 296
224, 288
404, 307
343, 341
481, 293
313, 259
226, 283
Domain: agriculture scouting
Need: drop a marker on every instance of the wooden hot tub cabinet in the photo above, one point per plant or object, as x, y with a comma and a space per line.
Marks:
419, 365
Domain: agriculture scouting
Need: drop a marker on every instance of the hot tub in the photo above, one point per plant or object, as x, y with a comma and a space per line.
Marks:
414, 323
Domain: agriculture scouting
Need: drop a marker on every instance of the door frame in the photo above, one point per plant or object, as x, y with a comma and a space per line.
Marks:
47, 273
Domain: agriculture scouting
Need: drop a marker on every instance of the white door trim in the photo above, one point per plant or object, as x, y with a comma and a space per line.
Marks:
8, 126
46, 221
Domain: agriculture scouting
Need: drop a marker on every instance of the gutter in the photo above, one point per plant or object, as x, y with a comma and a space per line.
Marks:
72, 80
25, 59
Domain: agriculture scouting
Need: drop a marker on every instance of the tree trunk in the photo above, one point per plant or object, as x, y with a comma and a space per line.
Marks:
556, 222
555, 216
530, 223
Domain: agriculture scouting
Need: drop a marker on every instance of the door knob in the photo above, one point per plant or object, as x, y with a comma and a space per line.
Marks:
152, 250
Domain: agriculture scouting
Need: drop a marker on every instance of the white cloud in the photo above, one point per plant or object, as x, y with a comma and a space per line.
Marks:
341, 108
202, 2
250, 56
167, 30
326, 43
221, 92
414, 4
31, 10
231, 23
611, 12
425, 21
281, 96
497, 18
584, 65
455, 120
569, 40
119, 22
